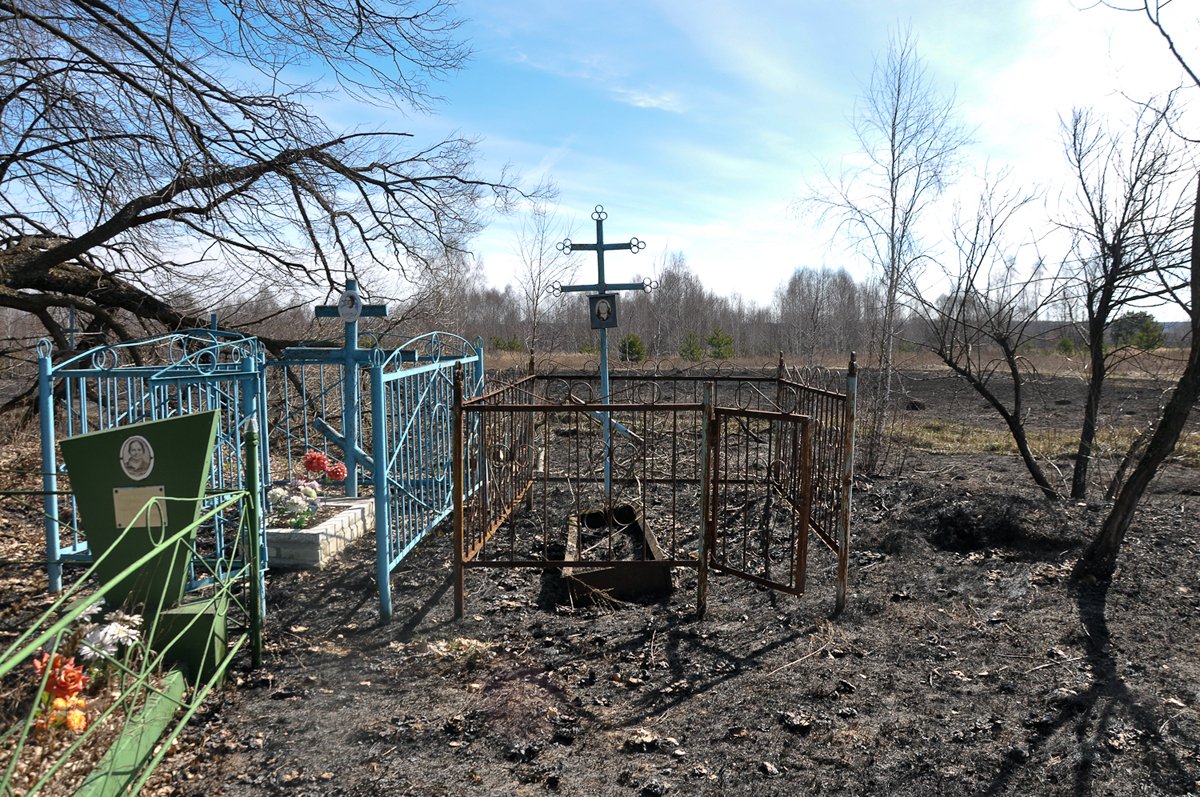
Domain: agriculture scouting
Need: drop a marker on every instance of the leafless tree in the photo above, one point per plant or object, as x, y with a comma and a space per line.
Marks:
677, 306
145, 147
982, 328
542, 266
1128, 221
1100, 557
910, 137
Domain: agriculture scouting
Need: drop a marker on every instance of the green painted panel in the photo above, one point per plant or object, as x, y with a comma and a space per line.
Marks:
194, 637
122, 765
115, 473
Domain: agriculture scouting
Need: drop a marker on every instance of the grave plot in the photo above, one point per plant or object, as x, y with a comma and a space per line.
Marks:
121, 385
384, 411
695, 470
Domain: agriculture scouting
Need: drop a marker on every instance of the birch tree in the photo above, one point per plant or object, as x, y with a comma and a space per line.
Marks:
909, 136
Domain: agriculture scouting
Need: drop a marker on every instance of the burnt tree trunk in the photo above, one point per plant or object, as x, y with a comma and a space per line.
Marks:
1100, 310
1091, 411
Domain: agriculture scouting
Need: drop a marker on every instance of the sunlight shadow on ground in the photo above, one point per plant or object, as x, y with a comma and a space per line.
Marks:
1092, 714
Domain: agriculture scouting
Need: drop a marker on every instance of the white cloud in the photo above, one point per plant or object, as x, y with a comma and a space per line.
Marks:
658, 100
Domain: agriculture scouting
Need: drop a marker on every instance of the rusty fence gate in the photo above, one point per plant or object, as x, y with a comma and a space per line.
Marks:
712, 469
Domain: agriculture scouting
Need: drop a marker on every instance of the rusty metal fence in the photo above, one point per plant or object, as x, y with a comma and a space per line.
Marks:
708, 469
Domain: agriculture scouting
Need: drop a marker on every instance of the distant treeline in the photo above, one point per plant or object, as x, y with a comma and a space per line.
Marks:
817, 314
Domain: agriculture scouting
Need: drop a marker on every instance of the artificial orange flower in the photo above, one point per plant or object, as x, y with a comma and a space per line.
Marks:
76, 720
66, 678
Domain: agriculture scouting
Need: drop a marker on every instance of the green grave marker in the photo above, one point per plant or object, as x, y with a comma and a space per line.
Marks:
134, 486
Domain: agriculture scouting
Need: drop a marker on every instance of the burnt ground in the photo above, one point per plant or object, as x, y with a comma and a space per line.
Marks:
968, 662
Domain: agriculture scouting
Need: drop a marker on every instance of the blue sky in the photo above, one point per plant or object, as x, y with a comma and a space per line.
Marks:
699, 123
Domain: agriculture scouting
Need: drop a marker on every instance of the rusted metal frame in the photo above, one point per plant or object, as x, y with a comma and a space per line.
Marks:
675, 486
769, 493
801, 483
806, 502
503, 429
575, 455
460, 593
708, 456
733, 429
823, 535
847, 486
743, 466
545, 453
768, 415
627, 376
600, 480
512, 439
780, 372
793, 492
831, 455
588, 407
485, 398
819, 406
720, 485
800, 387
495, 524
756, 578
645, 429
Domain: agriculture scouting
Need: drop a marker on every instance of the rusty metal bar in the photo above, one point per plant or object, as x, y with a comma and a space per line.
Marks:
496, 523
635, 564
459, 488
707, 502
806, 501
847, 485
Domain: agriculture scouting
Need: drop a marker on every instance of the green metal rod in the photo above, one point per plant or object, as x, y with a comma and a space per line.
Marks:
254, 543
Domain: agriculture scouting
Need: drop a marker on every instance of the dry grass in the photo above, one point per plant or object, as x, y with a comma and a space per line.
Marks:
949, 437
1159, 364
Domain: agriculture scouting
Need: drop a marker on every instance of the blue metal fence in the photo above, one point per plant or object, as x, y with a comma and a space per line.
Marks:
398, 442
147, 380
400, 438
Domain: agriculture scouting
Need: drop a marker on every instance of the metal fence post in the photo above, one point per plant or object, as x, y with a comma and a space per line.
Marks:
847, 486
457, 475
49, 469
707, 525
379, 476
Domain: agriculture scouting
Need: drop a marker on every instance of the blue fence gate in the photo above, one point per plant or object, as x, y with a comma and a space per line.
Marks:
149, 380
386, 411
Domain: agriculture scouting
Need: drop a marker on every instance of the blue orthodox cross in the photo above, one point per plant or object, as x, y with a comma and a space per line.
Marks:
349, 308
602, 304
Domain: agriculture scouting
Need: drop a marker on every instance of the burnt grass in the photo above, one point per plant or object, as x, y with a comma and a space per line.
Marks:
968, 661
